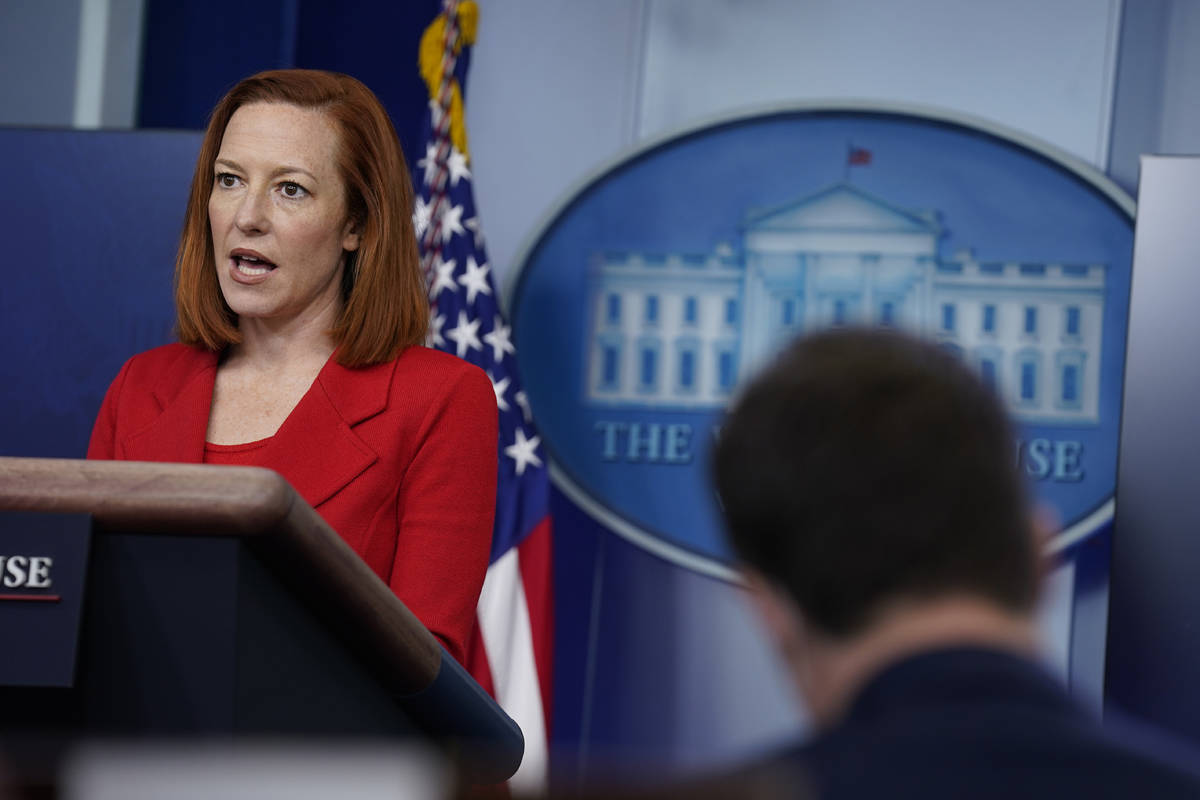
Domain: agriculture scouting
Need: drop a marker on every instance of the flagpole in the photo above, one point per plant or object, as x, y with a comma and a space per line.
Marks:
440, 111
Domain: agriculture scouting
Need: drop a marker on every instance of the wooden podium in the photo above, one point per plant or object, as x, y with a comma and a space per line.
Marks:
215, 603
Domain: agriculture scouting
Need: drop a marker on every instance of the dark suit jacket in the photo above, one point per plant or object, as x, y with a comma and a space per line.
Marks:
399, 458
979, 724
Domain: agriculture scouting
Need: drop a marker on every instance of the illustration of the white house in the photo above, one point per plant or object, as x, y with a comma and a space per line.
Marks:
674, 330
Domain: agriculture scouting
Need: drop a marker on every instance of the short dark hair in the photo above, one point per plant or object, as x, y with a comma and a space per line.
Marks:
865, 466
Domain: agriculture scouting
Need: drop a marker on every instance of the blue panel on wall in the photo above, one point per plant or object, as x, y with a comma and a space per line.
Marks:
658, 670
1153, 640
195, 51
576, 546
91, 229
375, 42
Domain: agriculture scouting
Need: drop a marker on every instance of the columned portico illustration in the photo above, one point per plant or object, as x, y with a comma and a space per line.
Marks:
679, 330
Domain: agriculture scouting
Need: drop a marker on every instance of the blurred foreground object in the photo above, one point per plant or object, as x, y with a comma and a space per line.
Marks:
266, 771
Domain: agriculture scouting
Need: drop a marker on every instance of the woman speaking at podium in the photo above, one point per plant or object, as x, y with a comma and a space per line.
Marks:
301, 309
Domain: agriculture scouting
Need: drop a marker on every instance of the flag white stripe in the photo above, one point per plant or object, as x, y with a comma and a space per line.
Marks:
508, 638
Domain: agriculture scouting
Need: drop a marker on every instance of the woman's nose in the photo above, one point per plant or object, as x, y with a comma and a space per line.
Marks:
252, 213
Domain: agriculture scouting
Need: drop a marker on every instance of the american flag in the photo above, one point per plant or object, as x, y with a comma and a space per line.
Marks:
858, 156
511, 657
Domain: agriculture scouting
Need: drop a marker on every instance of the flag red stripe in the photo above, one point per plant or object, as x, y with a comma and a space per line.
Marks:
535, 556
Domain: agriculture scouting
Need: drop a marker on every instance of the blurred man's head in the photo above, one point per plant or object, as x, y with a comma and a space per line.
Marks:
866, 470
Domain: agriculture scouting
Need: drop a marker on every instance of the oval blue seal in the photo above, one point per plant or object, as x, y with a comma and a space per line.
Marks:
658, 286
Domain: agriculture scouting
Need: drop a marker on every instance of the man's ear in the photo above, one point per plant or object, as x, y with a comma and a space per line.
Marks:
787, 628
1043, 524
777, 611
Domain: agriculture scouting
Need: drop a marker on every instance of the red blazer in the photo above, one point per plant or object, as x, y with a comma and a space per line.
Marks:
399, 458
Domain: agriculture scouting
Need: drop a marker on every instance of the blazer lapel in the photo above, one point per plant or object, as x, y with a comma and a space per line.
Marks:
184, 393
316, 448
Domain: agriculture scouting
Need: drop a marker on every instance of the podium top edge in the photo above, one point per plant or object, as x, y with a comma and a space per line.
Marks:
221, 499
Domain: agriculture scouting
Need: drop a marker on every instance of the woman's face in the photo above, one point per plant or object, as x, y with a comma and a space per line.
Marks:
278, 216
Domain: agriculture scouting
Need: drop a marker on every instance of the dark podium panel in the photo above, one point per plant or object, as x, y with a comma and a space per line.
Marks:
217, 603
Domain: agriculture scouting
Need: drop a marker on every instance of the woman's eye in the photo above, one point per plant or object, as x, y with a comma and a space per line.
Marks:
226, 180
291, 189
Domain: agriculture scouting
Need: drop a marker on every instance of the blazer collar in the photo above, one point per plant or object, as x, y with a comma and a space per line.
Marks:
183, 392
315, 449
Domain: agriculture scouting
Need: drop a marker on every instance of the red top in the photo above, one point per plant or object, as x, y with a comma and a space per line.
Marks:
234, 455
399, 458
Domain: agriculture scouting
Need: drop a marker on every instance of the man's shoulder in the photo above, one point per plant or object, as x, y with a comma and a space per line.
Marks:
942, 725
991, 756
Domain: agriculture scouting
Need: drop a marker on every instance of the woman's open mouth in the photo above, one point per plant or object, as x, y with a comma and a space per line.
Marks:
250, 264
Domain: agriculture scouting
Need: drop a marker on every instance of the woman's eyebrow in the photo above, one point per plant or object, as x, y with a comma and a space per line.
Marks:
283, 169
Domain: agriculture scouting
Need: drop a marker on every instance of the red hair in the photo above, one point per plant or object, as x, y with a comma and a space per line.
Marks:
385, 306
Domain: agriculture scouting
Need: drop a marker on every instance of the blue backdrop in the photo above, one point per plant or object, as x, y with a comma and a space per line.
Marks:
92, 235
193, 52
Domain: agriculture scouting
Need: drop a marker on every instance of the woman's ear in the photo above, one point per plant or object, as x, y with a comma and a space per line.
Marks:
351, 238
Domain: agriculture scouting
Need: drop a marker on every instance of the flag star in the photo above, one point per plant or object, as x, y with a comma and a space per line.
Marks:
500, 388
434, 336
421, 216
523, 401
465, 335
451, 222
499, 339
522, 451
475, 279
476, 230
457, 164
429, 162
445, 276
